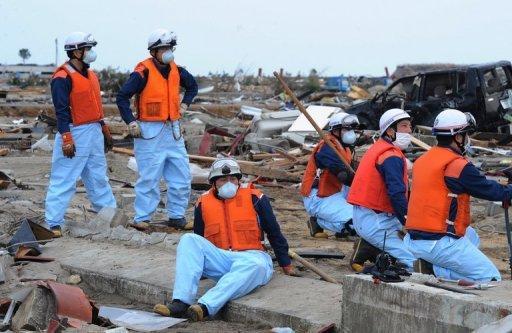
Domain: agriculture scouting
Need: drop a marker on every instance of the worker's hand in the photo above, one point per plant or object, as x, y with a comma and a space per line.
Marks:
183, 108
107, 138
291, 271
68, 145
134, 129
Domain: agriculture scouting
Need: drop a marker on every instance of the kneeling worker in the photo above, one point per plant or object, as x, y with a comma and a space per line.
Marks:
326, 180
226, 246
439, 207
379, 192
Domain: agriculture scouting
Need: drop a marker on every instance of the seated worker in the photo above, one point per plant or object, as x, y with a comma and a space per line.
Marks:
439, 207
379, 192
226, 246
326, 180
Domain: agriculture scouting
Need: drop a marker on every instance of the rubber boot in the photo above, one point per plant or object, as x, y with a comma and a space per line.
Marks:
176, 309
347, 233
180, 224
315, 230
57, 231
363, 251
197, 312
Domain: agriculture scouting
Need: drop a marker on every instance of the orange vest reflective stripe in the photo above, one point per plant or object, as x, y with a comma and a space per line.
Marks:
368, 187
160, 98
328, 184
232, 224
85, 98
429, 205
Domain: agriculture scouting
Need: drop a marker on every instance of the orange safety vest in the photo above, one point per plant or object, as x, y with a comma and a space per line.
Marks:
85, 98
368, 187
429, 205
328, 184
232, 224
160, 98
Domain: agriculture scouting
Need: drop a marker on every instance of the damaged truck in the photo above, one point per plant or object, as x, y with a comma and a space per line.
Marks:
485, 90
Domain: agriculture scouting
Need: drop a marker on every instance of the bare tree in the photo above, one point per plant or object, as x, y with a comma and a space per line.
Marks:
24, 54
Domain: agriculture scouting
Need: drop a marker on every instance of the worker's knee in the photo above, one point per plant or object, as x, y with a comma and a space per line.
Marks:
189, 240
256, 266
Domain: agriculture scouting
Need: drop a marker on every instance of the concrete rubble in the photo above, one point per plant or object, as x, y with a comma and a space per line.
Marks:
251, 119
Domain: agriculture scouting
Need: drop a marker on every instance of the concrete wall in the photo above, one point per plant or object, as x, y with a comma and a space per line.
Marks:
414, 307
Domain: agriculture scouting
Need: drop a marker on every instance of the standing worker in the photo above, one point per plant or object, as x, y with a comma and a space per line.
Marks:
326, 180
438, 217
379, 192
159, 144
226, 246
82, 137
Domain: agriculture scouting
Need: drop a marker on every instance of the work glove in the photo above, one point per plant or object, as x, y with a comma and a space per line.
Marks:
134, 129
107, 138
68, 145
291, 271
183, 108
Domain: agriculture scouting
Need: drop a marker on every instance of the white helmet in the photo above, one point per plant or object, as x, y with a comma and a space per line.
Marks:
344, 120
162, 37
452, 122
77, 40
390, 117
224, 166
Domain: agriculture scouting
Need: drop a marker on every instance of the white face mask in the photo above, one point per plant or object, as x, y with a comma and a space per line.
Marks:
349, 137
167, 57
227, 191
403, 140
90, 56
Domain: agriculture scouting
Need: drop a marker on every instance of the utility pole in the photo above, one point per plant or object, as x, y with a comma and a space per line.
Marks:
56, 52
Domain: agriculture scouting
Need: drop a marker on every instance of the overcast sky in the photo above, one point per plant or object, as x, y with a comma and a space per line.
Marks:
351, 37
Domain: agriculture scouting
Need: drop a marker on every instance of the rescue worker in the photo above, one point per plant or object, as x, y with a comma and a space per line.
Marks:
438, 217
82, 138
159, 146
379, 192
226, 245
326, 180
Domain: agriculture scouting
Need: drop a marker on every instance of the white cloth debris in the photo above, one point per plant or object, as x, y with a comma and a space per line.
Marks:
43, 144
138, 320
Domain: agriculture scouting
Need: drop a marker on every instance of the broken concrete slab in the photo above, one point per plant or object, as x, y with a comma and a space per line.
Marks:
35, 312
146, 275
127, 200
156, 237
33, 271
413, 307
503, 325
139, 239
100, 226
109, 217
122, 234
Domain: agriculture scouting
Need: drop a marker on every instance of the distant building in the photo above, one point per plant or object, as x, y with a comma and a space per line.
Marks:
24, 71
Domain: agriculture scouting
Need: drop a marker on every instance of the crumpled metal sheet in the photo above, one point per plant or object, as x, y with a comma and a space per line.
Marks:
28, 233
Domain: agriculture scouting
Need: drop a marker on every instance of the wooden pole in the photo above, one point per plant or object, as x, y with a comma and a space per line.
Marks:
311, 120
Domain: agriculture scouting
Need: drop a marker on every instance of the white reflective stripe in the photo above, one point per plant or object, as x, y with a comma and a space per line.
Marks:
450, 222
318, 172
69, 68
452, 195
245, 185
